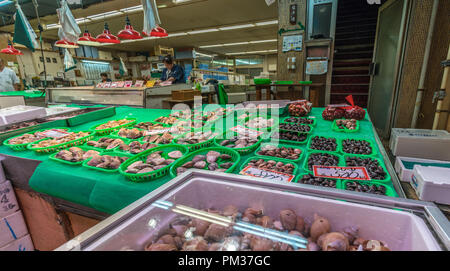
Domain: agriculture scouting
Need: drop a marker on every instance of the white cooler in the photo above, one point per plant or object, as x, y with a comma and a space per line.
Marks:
432, 183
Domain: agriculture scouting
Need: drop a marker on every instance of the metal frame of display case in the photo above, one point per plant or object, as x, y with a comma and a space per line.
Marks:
433, 217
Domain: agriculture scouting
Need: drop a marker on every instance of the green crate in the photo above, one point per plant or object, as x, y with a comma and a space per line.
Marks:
23, 147
235, 158
53, 157
116, 134
262, 81
241, 151
268, 158
338, 144
338, 182
305, 163
313, 118
389, 191
284, 82
305, 82
104, 150
345, 130
50, 124
118, 154
110, 130
372, 144
204, 144
142, 177
279, 146
387, 180
91, 116
58, 147
290, 141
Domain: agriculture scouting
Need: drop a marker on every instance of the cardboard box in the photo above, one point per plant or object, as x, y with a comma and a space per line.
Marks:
8, 201
405, 172
21, 244
432, 183
12, 228
420, 143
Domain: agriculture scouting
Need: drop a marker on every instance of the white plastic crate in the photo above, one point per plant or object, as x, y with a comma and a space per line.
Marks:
432, 183
405, 173
21, 113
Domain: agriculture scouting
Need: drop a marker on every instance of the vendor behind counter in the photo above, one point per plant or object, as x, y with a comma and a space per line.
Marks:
172, 72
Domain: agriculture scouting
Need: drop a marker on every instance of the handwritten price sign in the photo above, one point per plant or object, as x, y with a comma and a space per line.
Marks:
245, 131
266, 174
347, 173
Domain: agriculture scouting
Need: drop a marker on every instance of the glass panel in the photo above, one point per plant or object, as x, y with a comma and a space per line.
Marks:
322, 19
115, 97
382, 89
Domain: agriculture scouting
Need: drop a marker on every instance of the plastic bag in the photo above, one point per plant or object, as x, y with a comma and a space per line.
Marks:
300, 108
354, 111
333, 112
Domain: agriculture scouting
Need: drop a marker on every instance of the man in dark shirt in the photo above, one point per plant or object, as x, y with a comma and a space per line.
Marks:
104, 77
172, 72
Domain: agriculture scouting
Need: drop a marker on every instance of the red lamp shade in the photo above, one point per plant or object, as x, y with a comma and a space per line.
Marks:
107, 37
158, 31
66, 44
10, 50
87, 39
129, 33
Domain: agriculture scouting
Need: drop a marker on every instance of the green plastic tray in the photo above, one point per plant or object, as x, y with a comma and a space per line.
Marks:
53, 157
26, 130
262, 81
204, 144
110, 130
116, 134
282, 145
267, 129
119, 154
128, 142
23, 147
338, 182
388, 177
97, 138
345, 130
62, 146
241, 151
389, 191
268, 158
284, 82
305, 82
372, 144
142, 177
305, 163
235, 158
338, 143
313, 118
290, 141
310, 131
92, 116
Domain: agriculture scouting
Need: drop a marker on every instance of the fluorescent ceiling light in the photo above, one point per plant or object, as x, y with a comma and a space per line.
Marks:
210, 46
235, 43
200, 54
267, 23
262, 41
95, 62
104, 15
53, 26
202, 31
236, 26
177, 34
131, 9
162, 6
253, 52
180, 1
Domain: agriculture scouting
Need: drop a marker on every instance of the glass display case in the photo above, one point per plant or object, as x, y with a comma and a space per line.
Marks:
400, 224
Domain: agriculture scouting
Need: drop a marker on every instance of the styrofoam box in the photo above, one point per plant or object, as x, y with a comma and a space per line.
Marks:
8, 201
432, 183
238, 97
21, 244
12, 228
420, 143
21, 113
405, 173
59, 110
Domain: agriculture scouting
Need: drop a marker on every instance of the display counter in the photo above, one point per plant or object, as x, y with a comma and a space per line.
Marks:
34, 98
135, 97
92, 195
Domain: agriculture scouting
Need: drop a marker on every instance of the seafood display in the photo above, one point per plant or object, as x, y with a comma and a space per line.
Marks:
282, 167
239, 141
323, 144
166, 120
106, 143
346, 124
75, 154
280, 152
149, 126
300, 120
53, 142
196, 137
300, 109
366, 188
165, 138
375, 170
136, 147
354, 146
213, 161
154, 161
310, 179
322, 159
292, 136
260, 123
112, 124
133, 133
106, 161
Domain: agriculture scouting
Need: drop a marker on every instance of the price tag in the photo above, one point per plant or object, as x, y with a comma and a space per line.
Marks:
245, 131
120, 84
107, 85
347, 173
128, 84
99, 85
54, 133
266, 174
113, 84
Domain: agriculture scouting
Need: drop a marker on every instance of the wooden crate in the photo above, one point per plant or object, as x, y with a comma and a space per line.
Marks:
185, 94
163, 51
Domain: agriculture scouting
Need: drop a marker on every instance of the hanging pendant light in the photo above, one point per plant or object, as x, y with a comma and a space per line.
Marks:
10, 50
107, 37
158, 31
87, 39
66, 44
129, 33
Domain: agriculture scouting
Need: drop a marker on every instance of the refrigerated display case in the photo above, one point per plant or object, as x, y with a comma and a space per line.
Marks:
402, 224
